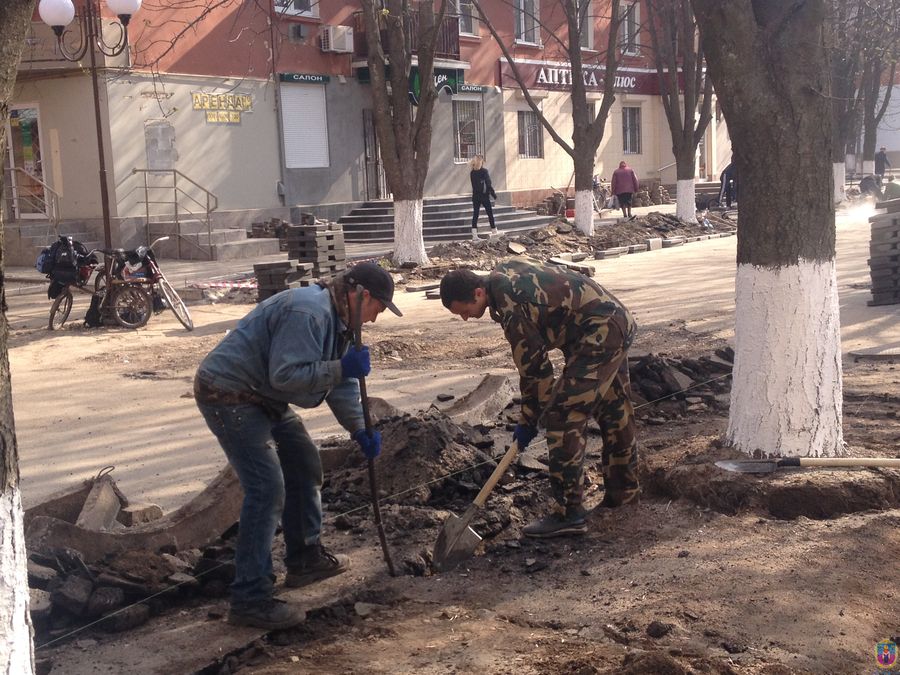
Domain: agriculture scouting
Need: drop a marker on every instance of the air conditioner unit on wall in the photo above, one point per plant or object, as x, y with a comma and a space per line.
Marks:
336, 39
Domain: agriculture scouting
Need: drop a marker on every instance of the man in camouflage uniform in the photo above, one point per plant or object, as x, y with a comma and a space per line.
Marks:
545, 307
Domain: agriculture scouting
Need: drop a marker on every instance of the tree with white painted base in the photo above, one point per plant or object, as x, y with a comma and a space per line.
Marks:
768, 63
16, 649
562, 23
403, 129
687, 103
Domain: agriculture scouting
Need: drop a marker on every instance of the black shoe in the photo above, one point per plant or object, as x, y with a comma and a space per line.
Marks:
315, 564
271, 614
557, 525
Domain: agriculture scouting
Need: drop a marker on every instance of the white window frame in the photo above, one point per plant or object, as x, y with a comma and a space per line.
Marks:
631, 131
304, 122
528, 22
587, 26
465, 8
630, 35
536, 152
458, 157
288, 8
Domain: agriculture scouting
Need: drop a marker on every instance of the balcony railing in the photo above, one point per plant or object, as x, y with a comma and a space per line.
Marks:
447, 39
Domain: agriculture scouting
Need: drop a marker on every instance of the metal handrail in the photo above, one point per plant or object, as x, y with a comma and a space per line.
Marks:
210, 205
49, 206
663, 168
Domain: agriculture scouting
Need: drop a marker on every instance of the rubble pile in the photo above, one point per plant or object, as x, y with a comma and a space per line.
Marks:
559, 237
681, 386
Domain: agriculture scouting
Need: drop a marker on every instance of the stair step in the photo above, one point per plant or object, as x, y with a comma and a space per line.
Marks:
190, 226
249, 248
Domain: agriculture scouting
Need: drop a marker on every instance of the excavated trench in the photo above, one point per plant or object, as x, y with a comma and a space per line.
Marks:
432, 465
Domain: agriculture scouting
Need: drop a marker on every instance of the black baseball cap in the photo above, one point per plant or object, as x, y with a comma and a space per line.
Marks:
376, 280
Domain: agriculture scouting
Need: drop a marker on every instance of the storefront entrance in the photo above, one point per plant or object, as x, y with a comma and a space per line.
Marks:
24, 180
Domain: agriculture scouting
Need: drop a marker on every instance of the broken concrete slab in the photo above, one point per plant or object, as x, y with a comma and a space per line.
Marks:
197, 523
138, 514
614, 252
586, 270
101, 507
73, 594
654, 243
492, 395
516, 248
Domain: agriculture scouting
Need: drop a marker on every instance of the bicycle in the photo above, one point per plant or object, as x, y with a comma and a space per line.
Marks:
126, 287
600, 194
138, 269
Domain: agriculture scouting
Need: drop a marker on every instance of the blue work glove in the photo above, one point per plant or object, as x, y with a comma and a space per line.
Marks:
356, 363
524, 434
370, 445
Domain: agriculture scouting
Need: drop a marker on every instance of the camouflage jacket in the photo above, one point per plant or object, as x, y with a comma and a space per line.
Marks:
544, 307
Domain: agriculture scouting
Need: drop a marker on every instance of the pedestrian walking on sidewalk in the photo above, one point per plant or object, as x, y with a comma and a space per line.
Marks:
294, 348
624, 185
881, 162
542, 308
482, 191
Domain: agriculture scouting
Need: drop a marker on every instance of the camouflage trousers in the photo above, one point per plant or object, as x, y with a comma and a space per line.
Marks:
606, 397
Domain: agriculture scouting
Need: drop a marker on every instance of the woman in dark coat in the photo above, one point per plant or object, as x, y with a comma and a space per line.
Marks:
482, 191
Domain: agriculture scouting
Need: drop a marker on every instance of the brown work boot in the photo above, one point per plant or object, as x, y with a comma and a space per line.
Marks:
315, 564
557, 524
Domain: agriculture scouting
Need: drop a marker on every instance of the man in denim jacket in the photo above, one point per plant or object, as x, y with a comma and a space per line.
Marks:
294, 348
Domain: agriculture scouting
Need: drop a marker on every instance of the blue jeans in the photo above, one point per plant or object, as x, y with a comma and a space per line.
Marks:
283, 482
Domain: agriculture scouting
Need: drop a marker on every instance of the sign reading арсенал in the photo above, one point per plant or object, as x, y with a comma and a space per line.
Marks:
222, 108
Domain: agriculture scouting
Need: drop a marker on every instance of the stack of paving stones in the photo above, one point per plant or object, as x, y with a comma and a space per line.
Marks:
321, 245
271, 229
884, 249
274, 277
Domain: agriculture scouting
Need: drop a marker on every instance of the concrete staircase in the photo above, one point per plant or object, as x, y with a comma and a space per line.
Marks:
197, 243
24, 239
443, 219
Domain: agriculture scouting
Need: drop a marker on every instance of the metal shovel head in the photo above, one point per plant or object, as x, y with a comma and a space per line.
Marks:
749, 465
455, 543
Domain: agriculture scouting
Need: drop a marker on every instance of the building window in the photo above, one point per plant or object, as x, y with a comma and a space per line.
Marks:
631, 131
297, 7
467, 130
586, 21
531, 135
527, 29
468, 17
630, 28
305, 123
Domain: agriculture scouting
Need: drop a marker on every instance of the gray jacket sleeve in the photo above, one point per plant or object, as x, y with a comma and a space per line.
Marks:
345, 403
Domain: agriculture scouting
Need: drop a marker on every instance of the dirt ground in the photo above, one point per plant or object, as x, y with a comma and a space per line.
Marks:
710, 573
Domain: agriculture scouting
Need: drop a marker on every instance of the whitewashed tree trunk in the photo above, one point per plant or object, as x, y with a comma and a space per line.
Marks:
584, 212
409, 245
686, 201
786, 386
868, 166
786, 394
840, 178
16, 654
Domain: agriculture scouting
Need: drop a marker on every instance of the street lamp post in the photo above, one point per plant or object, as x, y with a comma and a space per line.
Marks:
58, 14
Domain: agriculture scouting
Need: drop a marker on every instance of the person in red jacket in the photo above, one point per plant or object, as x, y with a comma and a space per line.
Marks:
624, 185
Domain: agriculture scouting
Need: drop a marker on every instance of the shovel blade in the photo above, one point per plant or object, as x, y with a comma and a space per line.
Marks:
455, 543
749, 465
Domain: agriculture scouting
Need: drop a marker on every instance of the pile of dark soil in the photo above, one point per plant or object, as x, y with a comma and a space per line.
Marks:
562, 237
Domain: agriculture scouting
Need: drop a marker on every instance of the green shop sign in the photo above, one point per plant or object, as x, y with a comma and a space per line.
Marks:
304, 78
447, 79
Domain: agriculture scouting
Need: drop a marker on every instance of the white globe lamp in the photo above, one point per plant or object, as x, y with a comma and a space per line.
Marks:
56, 13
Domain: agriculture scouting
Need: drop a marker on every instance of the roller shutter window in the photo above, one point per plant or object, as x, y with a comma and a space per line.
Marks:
305, 124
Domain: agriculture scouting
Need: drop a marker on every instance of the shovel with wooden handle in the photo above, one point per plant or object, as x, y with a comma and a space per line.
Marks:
772, 465
457, 541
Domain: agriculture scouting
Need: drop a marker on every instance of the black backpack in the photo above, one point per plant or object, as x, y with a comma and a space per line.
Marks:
65, 253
